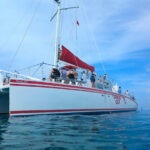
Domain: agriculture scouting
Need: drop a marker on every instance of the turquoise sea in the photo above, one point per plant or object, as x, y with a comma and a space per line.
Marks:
116, 131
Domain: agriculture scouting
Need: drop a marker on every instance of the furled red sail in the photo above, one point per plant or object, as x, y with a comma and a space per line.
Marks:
69, 57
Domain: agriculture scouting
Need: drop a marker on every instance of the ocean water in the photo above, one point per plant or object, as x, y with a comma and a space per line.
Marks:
116, 131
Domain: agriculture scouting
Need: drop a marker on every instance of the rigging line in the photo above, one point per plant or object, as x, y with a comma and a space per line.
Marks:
36, 70
13, 31
68, 38
43, 63
76, 24
48, 64
29, 67
51, 35
76, 28
92, 35
61, 26
24, 35
42, 70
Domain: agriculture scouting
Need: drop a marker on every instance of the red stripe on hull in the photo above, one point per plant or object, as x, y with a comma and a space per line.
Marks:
51, 84
41, 84
26, 83
70, 111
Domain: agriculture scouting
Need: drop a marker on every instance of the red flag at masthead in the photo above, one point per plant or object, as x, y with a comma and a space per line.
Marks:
77, 22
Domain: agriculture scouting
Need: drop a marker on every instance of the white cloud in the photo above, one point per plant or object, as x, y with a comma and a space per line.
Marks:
116, 27
118, 31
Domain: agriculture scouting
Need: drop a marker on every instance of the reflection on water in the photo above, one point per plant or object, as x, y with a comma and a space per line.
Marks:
3, 126
86, 132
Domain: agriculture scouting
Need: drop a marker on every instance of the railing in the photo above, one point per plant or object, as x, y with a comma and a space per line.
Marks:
105, 85
6, 75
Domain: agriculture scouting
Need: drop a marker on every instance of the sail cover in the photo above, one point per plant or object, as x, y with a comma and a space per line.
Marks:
69, 57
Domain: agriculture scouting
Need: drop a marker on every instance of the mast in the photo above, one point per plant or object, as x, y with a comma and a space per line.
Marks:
57, 33
57, 14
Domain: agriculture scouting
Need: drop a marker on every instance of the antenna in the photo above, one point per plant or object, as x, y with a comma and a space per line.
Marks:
57, 15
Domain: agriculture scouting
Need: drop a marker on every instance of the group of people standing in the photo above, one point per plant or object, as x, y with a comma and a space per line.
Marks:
63, 74
68, 75
102, 81
73, 76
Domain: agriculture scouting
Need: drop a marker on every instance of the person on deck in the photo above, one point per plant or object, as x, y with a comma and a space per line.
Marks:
63, 72
119, 90
84, 77
71, 76
93, 78
127, 92
106, 82
105, 77
99, 82
75, 74
55, 74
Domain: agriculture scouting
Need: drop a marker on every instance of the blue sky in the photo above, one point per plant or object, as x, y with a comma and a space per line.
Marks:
113, 35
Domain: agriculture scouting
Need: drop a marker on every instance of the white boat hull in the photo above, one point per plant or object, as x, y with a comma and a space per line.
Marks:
34, 97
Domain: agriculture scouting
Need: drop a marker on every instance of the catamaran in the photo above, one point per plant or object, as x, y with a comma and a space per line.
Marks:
27, 95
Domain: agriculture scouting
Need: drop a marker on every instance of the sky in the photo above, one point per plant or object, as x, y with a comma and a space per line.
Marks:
113, 36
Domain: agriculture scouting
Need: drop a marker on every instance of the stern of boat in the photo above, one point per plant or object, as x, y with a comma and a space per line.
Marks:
4, 100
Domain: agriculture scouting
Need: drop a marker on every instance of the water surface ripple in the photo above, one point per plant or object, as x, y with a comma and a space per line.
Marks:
118, 131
